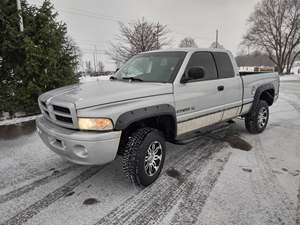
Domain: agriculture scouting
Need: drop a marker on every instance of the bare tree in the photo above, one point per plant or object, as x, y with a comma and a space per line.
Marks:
274, 28
188, 42
216, 45
88, 67
100, 66
255, 58
136, 37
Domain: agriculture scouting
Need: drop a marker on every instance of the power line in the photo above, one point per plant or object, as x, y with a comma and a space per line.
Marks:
193, 36
95, 15
92, 50
90, 41
90, 16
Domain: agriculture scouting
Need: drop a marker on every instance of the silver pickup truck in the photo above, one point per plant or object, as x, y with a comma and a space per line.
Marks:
155, 97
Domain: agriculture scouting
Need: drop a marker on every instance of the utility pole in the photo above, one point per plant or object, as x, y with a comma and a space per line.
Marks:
217, 38
20, 15
157, 41
96, 51
94, 56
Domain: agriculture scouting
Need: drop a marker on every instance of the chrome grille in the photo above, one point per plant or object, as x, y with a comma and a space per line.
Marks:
61, 109
64, 119
63, 114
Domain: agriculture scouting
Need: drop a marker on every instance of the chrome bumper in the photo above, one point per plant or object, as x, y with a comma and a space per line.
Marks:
87, 148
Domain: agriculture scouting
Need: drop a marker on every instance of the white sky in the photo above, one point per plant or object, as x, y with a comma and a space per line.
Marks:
93, 23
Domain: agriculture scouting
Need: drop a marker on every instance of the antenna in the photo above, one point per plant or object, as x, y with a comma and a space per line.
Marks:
217, 38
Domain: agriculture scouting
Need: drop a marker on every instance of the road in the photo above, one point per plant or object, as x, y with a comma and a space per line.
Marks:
228, 177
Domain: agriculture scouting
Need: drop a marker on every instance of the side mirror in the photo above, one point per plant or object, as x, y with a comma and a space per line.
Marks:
193, 73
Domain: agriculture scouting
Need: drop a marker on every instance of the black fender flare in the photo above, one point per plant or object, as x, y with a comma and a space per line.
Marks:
259, 91
136, 115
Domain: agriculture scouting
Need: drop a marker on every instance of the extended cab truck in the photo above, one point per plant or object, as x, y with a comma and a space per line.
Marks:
155, 97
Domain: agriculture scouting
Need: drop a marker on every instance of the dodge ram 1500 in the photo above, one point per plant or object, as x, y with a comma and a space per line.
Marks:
155, 97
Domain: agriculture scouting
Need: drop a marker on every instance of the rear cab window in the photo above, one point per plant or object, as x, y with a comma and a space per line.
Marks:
224, 65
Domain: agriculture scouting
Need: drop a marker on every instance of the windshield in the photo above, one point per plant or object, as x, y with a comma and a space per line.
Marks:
152, 67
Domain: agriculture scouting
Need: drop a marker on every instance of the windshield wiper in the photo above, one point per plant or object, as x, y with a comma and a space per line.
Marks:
132, 79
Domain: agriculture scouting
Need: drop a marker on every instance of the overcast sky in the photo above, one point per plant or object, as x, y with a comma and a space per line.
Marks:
93, 23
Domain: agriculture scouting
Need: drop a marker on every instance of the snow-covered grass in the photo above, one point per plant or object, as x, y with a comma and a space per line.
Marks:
290, 77
18, 120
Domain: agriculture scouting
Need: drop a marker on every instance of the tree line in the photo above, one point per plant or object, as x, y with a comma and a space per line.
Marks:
274, 28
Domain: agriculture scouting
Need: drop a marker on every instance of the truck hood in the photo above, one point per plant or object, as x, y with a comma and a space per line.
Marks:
105, 92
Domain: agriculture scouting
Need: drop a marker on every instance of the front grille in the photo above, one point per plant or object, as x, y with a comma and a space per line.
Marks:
64, 119
63, 114
61, 109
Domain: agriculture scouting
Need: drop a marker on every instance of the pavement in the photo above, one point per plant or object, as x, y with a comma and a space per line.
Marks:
228, 177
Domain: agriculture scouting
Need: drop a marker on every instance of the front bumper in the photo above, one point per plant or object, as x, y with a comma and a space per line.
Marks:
87, 148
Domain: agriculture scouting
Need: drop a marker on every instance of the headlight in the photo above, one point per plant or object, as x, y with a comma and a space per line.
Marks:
95, 124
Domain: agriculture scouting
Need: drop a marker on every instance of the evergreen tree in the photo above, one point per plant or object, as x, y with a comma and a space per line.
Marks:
34, 61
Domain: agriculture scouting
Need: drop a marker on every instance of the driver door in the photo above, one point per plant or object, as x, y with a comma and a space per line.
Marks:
198, 101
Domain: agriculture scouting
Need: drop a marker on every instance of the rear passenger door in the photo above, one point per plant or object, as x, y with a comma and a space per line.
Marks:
230, 85
198, 102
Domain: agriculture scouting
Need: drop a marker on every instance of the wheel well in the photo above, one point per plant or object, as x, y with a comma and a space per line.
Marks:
164, 123
268, 96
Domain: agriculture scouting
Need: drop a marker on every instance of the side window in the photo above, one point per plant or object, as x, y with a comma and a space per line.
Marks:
205, 60
224, 65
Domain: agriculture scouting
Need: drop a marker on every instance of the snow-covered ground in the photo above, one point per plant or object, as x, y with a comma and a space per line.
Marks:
290, 77
210, 181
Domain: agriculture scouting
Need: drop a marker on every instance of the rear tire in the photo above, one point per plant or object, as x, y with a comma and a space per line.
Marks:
257, 119
144, 156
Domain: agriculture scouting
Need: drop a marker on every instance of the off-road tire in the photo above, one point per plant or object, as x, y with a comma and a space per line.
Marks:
135, 152
252, 118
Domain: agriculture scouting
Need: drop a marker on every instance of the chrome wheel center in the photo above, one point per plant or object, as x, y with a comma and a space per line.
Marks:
153, 158
262, 117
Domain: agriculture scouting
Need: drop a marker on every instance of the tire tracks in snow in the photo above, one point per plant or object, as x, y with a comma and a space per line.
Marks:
277, 204
37, 206
29, 187
293, 104
44, 180
43, 203
154, 202
195, 198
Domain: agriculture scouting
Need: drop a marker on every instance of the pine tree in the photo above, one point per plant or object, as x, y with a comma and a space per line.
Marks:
10, 54
34, 61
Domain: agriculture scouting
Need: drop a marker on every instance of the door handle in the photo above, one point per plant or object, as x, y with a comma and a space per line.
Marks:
221, 88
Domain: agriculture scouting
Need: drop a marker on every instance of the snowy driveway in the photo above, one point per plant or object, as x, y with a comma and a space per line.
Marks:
214, 180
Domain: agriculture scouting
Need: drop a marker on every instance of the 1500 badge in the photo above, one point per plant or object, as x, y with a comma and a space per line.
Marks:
191, 108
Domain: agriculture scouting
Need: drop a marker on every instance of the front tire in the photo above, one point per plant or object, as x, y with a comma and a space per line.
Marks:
144, 156
257, 119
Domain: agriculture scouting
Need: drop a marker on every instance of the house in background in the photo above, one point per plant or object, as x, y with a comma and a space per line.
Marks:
267, 69
255, 62
296, 67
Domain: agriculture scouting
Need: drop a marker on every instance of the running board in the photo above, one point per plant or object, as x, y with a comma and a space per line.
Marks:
188, 138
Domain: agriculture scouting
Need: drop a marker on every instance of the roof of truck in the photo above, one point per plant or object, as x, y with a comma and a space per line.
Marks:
192, 50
